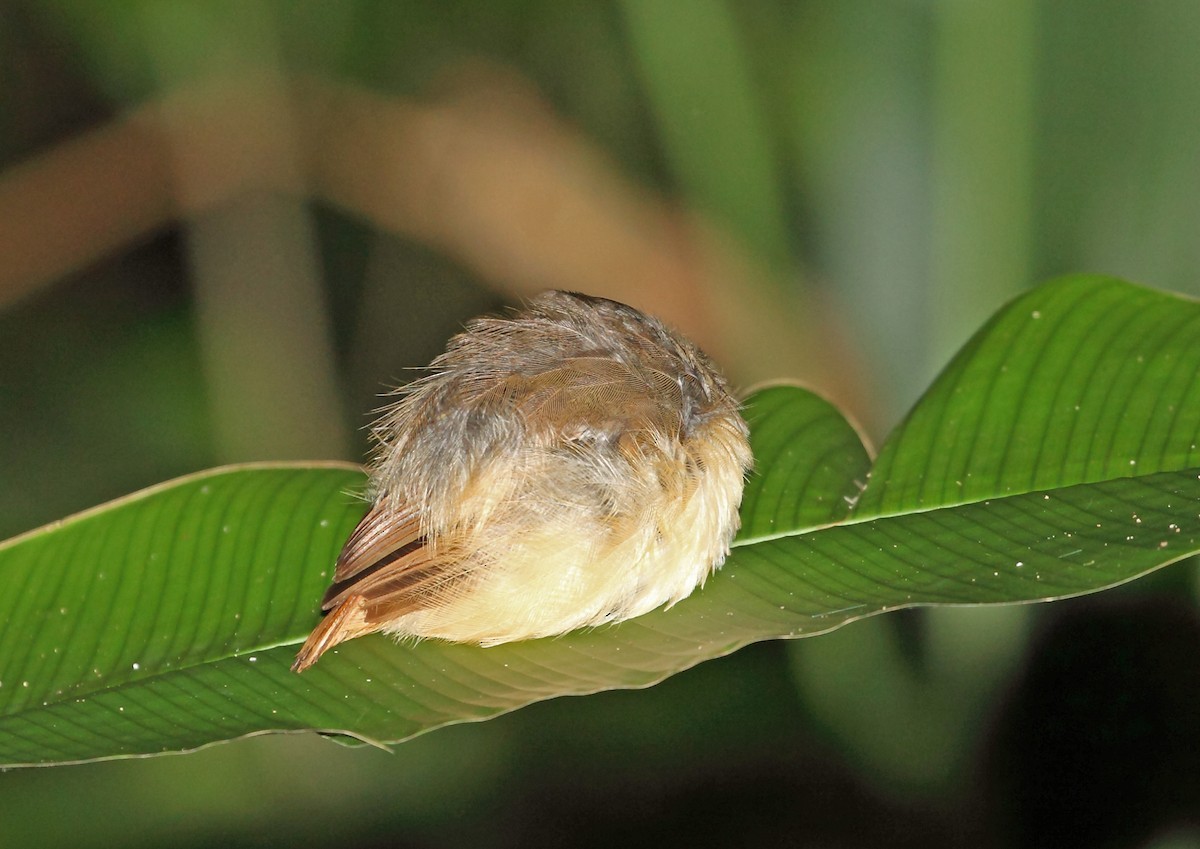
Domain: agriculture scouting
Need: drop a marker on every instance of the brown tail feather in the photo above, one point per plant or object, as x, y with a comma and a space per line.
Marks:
348, 621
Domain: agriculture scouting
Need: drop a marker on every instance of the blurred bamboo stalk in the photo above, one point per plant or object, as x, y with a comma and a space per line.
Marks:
982, 165
264, 331
697, 77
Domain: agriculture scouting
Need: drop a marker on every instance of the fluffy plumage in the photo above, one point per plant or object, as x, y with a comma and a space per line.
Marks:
574, 464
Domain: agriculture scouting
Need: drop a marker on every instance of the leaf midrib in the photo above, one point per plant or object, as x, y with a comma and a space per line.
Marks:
859, 520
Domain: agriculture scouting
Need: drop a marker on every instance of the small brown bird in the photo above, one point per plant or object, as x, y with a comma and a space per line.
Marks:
574, 464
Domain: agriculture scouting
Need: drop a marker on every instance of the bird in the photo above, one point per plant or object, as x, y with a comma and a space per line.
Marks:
571, 464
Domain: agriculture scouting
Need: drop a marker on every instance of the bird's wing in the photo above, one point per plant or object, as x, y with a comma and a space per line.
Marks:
385, 535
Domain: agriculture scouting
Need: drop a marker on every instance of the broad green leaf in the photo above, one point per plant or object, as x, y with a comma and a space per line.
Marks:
807, 460
1083, 379
168, 620
153, 587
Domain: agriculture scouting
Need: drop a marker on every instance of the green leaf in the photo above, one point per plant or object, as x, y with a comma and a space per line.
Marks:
168, 620
807, 458
1083, 379
103, 611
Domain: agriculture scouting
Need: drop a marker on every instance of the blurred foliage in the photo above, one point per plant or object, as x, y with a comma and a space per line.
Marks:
901, 153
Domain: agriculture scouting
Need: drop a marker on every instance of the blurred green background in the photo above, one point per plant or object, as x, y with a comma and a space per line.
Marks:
875, 178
